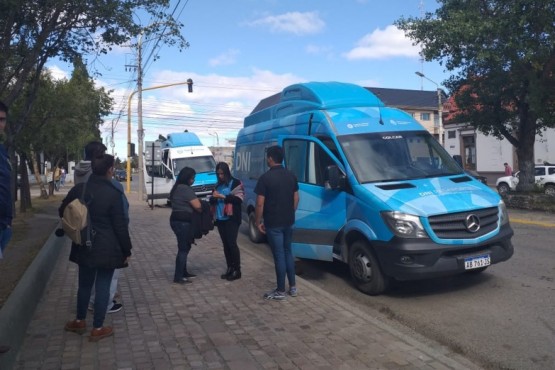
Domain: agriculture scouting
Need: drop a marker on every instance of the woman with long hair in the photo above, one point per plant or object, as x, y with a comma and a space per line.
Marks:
184, 202
111, 245
227, 199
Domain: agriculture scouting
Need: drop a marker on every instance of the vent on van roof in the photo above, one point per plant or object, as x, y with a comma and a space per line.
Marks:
461, 179
402, 185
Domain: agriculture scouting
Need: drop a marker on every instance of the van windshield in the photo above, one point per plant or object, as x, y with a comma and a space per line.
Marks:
397, 156
199, 164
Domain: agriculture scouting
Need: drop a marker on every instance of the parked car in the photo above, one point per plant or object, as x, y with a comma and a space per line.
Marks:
121, 175
477, 176
544, 177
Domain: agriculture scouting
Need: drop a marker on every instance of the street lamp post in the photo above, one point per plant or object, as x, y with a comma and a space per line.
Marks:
217, 137
439, 106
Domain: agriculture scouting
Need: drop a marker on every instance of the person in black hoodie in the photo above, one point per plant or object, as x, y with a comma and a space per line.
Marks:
184, 202
226, 200
111, 245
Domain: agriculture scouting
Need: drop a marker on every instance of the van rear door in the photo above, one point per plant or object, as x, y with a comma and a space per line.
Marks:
322, 211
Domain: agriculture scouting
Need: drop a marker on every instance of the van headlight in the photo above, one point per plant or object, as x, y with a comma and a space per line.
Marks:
503, 214
404, 225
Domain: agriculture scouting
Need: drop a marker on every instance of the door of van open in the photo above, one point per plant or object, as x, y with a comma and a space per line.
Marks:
321, 212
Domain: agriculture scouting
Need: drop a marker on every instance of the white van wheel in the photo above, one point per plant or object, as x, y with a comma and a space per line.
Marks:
254, 234
550, 189
365, 270
503, 188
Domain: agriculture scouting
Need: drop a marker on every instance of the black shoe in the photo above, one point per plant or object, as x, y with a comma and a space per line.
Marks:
182, 281
116, 307
227, 273
235, 274
189, 275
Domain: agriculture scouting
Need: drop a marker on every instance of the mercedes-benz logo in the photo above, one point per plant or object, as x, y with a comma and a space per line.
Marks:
472, 223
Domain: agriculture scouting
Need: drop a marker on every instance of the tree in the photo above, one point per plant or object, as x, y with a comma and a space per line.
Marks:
33, 32
503, 56
65, 116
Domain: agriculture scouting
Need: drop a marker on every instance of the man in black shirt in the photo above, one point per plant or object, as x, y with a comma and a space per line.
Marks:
277, 198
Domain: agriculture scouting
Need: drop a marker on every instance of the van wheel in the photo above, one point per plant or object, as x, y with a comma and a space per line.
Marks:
254, 234
550, 189
365, 270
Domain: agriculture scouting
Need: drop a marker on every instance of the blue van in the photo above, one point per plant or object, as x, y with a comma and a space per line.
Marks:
377, 191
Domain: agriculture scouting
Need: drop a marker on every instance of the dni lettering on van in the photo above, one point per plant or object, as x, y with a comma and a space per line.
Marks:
243, 161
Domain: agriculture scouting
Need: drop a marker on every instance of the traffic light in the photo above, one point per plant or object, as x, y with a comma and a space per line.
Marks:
190, 85
132, 149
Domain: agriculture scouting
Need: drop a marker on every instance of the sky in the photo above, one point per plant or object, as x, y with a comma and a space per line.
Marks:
242, 51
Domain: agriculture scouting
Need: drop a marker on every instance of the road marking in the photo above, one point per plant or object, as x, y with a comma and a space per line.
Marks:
528, 222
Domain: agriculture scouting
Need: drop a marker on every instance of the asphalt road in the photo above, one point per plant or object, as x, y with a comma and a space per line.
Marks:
503, 318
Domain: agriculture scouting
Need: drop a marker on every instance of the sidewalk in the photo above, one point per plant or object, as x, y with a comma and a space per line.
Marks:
213, 323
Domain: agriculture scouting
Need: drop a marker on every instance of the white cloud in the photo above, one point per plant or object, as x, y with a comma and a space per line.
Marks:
380, 44
218, 104
58, 73
293, 22
226, 58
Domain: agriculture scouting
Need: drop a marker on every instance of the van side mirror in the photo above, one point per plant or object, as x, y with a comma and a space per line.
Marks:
335, 178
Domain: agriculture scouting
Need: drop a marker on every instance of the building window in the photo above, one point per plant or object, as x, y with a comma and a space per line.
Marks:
425, 116
451, 134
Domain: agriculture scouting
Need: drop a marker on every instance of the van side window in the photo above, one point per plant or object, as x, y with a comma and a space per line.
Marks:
328, 142
307, 160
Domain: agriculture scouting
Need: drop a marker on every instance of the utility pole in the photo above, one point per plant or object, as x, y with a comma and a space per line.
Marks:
189, 84
140, 131
112, 144
439, 106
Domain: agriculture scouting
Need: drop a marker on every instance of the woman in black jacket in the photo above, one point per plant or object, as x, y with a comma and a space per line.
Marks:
111, 245
184, 202
227, 199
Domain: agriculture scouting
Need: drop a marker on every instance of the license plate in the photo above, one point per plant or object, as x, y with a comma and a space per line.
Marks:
477, 262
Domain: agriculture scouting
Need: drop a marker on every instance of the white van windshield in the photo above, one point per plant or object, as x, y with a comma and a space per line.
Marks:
397, 156
199, 164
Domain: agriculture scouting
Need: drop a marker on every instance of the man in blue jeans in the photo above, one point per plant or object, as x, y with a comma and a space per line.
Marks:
277, 198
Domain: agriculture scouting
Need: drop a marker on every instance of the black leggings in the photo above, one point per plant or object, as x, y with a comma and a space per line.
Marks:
228, 230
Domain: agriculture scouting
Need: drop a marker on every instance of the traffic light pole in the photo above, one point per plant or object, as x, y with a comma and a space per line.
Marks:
140, 131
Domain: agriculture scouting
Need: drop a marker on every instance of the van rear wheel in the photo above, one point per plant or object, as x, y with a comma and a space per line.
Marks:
254, 234
365, 270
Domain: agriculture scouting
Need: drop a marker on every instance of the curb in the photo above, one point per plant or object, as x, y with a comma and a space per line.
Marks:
17, 312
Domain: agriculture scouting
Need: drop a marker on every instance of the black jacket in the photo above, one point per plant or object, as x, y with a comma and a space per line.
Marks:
111, 241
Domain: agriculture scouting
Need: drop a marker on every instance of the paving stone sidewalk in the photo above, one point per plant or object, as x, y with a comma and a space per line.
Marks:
213, 323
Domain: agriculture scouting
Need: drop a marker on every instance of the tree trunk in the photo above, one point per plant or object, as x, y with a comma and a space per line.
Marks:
25, 191
525, 151
38, 177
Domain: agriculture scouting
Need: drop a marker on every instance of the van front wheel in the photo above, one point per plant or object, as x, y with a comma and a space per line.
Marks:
254, 234
365, 270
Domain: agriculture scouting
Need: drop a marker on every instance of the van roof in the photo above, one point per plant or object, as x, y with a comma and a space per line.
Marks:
312, 96
181, 139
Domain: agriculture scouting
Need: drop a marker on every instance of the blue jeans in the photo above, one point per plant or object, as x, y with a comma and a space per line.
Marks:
113, 290
101, 279
182, 231
279, 239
